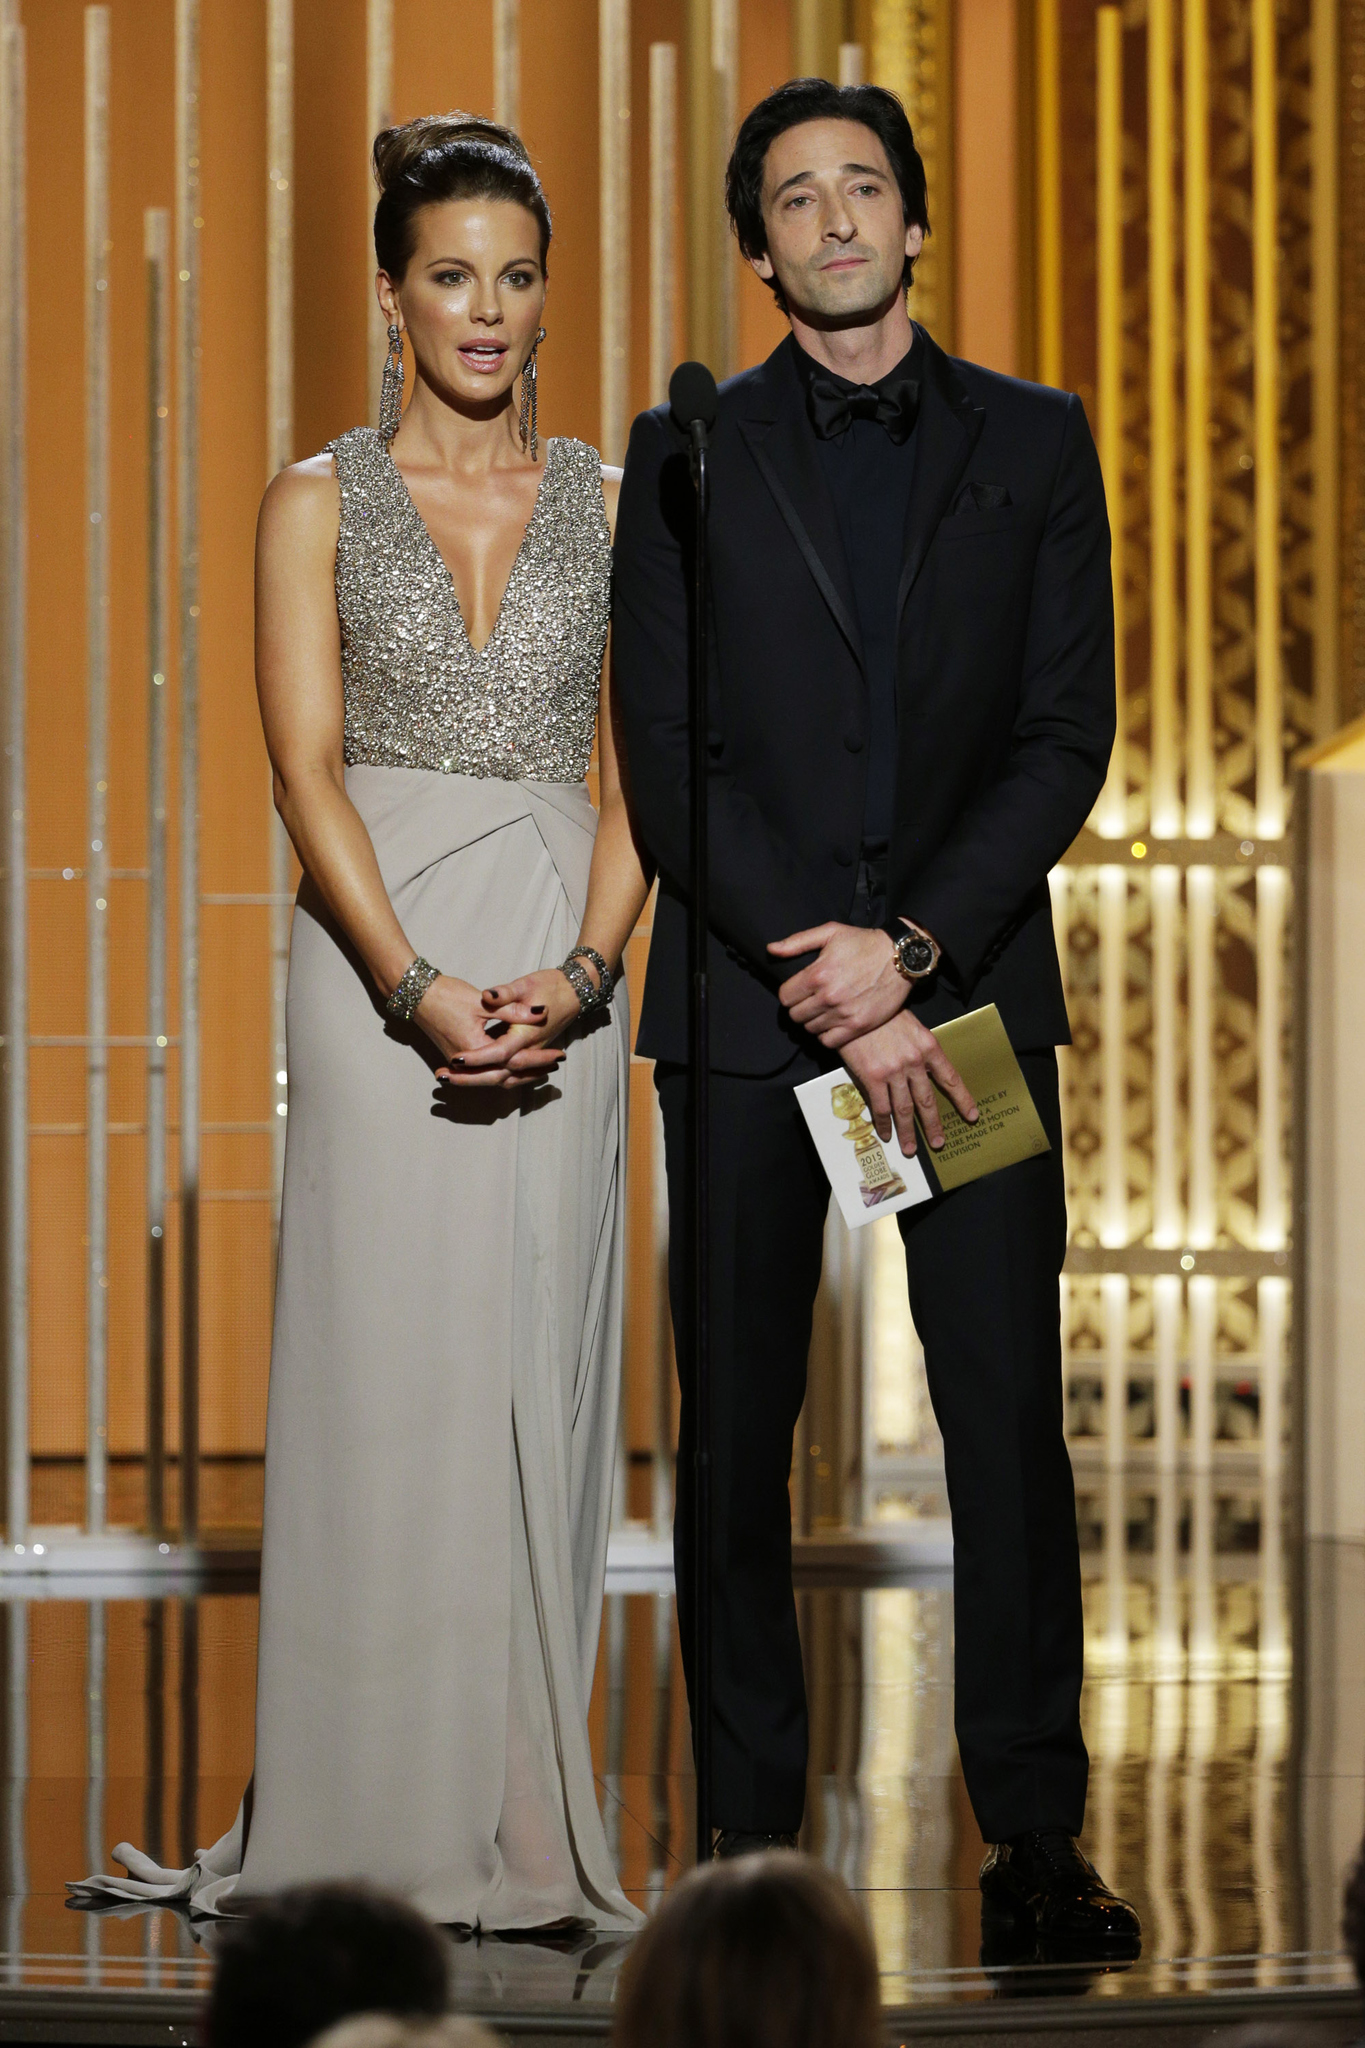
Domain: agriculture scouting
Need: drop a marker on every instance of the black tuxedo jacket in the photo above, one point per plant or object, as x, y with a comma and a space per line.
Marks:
1005, 697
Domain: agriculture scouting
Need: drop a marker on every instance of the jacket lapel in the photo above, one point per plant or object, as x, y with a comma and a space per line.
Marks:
782, 445
946, 433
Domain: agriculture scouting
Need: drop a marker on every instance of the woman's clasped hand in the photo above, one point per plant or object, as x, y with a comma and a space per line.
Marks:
501, 1037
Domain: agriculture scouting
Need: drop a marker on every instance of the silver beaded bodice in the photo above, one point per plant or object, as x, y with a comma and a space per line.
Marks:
418, 695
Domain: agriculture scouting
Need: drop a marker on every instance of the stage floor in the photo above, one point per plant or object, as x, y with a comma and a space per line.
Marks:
1224, 1709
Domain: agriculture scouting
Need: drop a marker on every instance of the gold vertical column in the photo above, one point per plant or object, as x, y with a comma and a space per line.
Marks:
1167, 1728
893, 1705
1201, 1733
1199, 778
507, 62
1113, 909
1272, 893
1115, 1289
1272, 1309
1111, 1715
1273, 1664
1167, 1221
910, 52
852, 64
1164, 793
663, 195
96, 1754
1048, 183
378, 114
1113, 905
725, 101
1111, 811
1203, 1307
279, 387
816, 27
712, 61
157, 253
187, 229
1200, 938
613, 119
1166, 1363
13, 678
97, 247
701, 194
1266, 434
1326, 362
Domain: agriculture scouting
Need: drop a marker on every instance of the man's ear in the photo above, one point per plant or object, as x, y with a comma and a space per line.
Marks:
762, 266
914, 239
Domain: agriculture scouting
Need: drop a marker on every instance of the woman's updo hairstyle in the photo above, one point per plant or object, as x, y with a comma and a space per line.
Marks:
447, 156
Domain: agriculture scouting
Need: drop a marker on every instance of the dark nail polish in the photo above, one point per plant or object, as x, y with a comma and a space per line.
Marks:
458, 1060
537, 1009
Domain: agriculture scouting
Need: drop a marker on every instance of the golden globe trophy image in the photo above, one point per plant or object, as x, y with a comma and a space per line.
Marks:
878, 1180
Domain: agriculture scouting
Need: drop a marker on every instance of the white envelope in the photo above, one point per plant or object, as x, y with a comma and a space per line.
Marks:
870, 1178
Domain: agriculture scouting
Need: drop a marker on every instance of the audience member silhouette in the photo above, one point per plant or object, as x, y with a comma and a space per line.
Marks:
317, 1954
765, 1951
375, 2031
1353, 1916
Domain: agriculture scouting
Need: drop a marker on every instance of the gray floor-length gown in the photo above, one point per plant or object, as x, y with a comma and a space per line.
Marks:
444, 1375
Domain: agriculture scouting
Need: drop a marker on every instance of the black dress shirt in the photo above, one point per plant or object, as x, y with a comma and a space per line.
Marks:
869, 479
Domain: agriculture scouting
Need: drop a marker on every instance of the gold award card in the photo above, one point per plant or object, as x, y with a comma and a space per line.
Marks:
869, 1178
1009, 1127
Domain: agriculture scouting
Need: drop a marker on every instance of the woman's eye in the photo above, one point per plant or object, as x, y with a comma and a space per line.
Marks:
452, 277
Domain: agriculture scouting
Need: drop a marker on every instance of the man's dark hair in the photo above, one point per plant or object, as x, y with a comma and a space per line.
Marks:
819, 99
320, 1953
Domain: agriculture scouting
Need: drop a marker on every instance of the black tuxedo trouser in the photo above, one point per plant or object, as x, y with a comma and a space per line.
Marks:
983, 1268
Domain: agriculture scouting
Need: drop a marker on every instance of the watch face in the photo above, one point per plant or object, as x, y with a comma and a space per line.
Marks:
917, 955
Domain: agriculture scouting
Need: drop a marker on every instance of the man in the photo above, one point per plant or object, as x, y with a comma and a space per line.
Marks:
912, 707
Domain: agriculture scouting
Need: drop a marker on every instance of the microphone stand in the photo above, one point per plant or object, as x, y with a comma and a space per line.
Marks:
699, 1150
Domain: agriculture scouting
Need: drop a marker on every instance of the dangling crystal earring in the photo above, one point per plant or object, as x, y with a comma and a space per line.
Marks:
391, 388
530, 439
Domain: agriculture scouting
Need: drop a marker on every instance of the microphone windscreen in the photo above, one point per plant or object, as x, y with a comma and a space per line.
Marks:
692, 395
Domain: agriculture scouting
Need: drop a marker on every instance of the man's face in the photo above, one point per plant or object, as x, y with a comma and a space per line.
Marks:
837, 238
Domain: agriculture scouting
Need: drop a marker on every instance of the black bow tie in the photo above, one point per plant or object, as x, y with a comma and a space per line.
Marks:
893, 404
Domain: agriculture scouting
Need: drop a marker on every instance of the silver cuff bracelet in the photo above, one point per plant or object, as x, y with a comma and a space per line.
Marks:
402, 1004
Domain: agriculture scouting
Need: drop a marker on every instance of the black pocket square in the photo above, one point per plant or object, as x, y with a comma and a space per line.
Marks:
981, 498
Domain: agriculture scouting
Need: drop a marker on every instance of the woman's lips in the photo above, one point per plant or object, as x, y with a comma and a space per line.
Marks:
482, 357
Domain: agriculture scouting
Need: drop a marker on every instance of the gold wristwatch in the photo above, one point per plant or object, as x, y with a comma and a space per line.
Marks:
917, 955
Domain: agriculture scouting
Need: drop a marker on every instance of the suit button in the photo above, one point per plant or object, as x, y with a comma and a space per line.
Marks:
843, 856
853, 743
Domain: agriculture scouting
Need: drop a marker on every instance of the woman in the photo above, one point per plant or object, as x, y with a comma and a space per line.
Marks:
432, 622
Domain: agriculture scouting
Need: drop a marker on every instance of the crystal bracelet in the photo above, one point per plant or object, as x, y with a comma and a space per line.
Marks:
606, 978
590, 996
402, 1004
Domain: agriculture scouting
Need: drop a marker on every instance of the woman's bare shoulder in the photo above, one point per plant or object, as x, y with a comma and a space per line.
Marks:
303, 502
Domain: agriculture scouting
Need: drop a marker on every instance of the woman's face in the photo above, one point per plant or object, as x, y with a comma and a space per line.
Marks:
472, 296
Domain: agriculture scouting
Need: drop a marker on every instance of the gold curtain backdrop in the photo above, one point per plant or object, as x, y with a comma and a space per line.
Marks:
1157, 204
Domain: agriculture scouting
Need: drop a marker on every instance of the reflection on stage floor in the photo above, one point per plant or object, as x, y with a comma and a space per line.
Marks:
1223, 1714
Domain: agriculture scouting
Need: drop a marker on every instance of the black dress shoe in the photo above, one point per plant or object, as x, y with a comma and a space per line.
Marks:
1043, 1881
744, 1842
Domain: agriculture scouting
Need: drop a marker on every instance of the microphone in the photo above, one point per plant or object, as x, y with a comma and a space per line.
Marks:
692, 400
